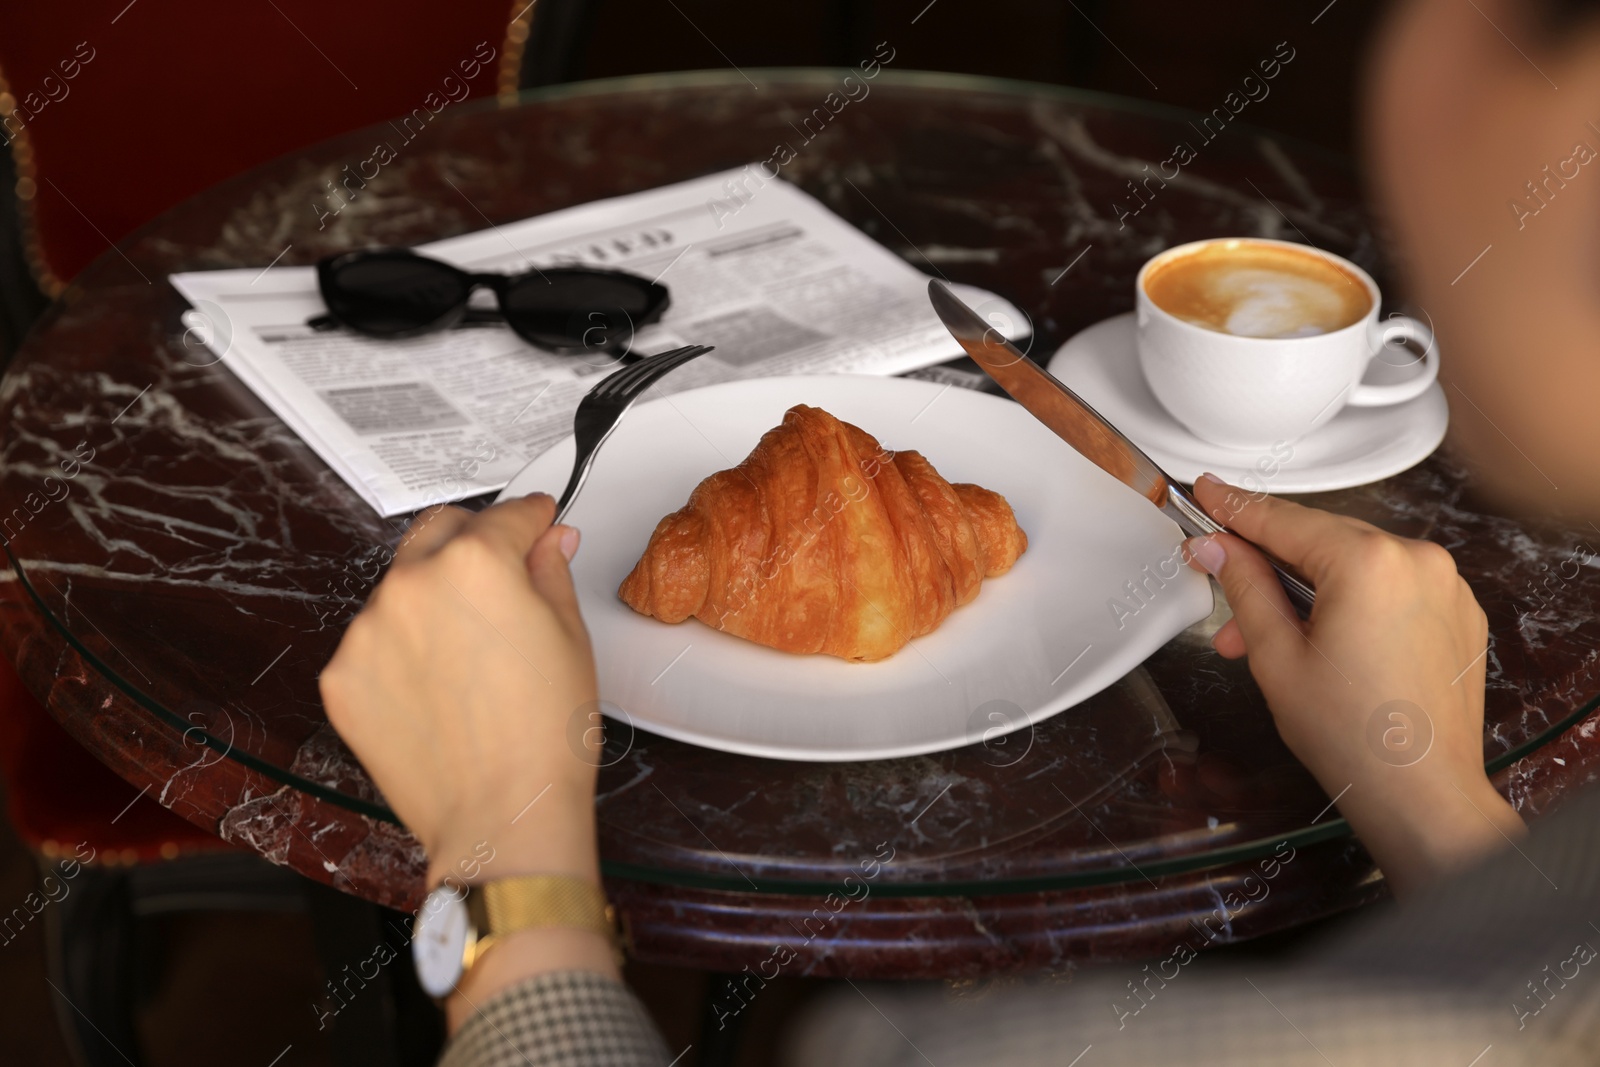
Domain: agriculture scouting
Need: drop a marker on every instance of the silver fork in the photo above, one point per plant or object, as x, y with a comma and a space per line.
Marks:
603, 407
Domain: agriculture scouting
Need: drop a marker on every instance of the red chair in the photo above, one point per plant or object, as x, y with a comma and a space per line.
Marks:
113, 119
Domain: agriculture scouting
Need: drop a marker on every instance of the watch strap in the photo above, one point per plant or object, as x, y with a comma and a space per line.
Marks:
545, 901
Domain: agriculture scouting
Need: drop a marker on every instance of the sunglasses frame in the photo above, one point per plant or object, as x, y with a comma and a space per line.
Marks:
657, 299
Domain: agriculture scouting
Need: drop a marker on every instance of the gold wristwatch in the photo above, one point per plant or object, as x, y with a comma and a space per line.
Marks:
457, 924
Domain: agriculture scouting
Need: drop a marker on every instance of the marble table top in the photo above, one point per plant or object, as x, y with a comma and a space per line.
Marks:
181, 565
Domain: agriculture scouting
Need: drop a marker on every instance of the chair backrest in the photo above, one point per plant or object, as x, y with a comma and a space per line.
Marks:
113, 117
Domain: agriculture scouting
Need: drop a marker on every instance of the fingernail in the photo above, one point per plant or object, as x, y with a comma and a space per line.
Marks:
1210, 553
1213, 479
569, 542
536, 496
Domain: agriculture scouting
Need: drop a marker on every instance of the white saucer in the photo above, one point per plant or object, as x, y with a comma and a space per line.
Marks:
1358, 446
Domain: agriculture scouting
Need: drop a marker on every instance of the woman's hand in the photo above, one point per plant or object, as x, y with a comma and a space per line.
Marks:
1380, 694
458, 687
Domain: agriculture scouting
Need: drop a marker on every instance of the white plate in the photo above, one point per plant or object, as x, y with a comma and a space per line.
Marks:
1038, 639
1355, 447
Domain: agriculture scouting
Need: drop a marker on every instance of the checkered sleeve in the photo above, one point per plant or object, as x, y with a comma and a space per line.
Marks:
566, 1019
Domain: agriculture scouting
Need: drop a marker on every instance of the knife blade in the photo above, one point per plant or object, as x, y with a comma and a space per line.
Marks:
1081, 426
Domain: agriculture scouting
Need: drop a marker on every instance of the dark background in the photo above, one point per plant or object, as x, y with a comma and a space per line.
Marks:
1185, 53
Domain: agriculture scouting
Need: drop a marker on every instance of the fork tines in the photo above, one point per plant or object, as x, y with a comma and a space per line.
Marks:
604, 405
639, 375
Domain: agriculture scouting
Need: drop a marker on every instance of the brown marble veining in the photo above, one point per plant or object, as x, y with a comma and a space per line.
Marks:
184, 565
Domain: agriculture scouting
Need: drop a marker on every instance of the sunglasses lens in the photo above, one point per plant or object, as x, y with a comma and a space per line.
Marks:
582, 311
393, 295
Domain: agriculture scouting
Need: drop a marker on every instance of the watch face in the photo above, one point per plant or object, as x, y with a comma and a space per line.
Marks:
439, 941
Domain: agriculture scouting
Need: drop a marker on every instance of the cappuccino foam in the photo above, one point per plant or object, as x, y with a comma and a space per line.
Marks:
1251, 289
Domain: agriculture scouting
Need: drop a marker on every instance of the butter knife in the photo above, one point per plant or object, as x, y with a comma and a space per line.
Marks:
1080, 426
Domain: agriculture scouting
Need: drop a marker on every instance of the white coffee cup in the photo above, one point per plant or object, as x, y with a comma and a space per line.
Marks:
1253, 392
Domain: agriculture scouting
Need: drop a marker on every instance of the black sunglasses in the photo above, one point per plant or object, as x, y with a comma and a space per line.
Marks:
394, 292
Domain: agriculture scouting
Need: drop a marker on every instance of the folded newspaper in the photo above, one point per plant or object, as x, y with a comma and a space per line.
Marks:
772, 278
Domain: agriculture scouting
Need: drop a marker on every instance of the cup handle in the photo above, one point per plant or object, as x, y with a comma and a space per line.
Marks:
1400, 328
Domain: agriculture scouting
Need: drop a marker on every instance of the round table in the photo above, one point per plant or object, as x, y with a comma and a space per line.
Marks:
181, 564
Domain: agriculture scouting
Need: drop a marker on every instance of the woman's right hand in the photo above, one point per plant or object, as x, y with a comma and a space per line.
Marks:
1380, 693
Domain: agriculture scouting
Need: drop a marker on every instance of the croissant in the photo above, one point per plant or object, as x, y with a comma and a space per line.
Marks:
823, 541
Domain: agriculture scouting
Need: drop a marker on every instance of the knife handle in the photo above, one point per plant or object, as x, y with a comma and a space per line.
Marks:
1301, 596
1191, 518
